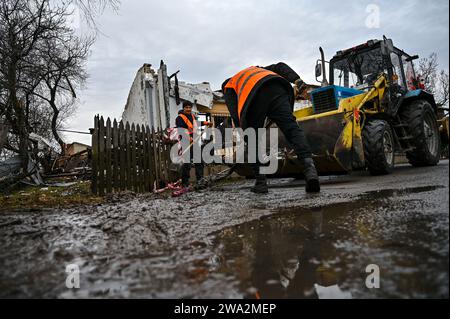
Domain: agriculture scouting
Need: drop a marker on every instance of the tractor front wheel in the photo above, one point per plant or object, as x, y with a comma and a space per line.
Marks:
379, 147
424, 130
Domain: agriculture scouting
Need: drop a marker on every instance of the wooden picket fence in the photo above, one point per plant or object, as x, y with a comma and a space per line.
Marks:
126, 157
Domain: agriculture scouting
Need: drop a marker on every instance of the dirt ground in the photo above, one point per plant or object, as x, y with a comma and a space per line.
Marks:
229, 243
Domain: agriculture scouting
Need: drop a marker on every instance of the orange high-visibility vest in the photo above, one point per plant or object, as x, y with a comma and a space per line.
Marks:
191, 126
244, 82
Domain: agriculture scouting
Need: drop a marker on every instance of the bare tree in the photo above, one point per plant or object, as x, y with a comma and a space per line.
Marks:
62, 72
443, 95
41, 59
435, 81
23, 24
91, 9
428, 68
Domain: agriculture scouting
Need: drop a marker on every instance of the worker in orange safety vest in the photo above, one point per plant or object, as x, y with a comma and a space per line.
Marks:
186, 120
257, 93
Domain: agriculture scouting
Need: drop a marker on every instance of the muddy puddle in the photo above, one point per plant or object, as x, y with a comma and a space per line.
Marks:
324, 252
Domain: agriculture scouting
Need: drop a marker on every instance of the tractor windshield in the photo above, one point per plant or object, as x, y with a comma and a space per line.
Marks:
358, 69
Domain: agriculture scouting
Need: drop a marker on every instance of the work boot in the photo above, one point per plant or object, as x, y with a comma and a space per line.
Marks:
260, 185
311, 176
201, 184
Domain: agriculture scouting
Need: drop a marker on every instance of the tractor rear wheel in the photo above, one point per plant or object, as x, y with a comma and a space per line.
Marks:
379, 147
424, 130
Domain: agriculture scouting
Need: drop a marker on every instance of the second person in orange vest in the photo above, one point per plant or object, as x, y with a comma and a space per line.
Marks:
257, 93
186, 120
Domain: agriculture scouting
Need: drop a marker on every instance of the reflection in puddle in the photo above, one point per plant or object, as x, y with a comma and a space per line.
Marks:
282, 255
322, 252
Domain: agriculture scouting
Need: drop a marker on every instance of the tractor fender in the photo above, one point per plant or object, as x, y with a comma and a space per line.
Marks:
420, 95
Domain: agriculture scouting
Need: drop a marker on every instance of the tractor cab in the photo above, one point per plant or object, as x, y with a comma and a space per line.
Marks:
359, 67
356, 70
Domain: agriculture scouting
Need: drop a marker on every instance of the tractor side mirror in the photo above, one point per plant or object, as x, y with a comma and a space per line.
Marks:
318, 70
412, 58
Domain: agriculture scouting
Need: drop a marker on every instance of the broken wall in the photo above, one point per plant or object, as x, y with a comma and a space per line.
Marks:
152, 101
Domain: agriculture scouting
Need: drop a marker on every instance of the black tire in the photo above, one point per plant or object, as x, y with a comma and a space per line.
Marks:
379, 147
423, 127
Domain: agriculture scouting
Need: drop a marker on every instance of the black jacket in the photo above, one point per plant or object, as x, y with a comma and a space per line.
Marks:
287, 76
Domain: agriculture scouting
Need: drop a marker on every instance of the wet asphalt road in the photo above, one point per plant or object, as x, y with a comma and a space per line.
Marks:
230, 243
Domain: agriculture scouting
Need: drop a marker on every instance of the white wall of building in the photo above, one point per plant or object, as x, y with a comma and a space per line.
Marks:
143, 103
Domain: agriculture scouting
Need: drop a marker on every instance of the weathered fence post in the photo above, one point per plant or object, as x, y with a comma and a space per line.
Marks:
108, 154
138, 167
155, 158
151, 158
123, 157
144, 160
116, 156
128, 152
101, 158
133, 157
94, 178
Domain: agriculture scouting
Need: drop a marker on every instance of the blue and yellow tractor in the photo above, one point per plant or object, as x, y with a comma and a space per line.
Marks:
372, 109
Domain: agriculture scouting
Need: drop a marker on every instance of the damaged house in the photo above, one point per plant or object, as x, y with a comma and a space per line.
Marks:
155, 99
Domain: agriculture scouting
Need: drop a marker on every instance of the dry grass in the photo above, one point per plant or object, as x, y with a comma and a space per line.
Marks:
32, 197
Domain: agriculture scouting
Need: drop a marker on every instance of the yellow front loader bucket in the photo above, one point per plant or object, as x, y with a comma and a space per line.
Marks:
334, 138
335, 142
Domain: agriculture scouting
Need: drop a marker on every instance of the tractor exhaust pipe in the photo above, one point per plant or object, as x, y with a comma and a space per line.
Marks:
324, 70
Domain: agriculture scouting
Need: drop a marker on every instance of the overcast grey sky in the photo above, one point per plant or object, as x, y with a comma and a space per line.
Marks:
211, 40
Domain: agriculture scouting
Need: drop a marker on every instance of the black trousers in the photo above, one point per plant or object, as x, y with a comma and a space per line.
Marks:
274, 103
186, 171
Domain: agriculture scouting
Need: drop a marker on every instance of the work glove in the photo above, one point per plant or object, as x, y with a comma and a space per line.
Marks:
300, 89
